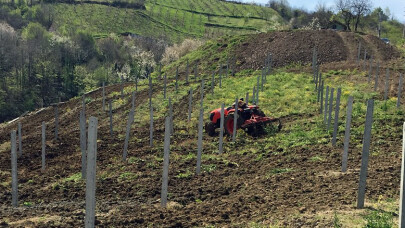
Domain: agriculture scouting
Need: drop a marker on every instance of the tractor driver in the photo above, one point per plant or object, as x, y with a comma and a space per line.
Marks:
241, 104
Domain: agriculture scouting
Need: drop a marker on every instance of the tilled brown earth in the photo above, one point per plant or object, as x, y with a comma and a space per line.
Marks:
289, 47
234, 188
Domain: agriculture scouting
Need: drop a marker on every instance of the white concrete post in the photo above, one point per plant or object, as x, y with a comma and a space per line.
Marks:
221, 132
91, 174
166, 155
347, 133
14, 178
365, 154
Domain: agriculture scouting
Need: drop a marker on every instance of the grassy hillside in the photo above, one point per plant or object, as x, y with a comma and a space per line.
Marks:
175, 19
285, 179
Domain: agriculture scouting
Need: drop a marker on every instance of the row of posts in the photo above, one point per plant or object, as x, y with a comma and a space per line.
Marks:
88, 141
326, 108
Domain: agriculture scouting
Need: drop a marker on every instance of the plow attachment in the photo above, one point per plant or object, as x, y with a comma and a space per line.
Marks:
256, 125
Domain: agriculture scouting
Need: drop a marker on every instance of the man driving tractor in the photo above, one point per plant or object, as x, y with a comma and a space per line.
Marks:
249, 118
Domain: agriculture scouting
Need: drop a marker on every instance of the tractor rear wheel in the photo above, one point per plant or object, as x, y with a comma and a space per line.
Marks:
210, 128
229, 122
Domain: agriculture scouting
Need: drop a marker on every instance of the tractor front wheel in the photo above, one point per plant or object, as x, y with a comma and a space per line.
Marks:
229, 122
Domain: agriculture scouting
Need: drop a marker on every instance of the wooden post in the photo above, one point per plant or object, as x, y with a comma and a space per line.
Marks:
14, 178
151, 127
133, 100
171, 116
316, 75
330, 108
358, 53
56, 122
111, 118
103, 97
326, 105
136, 84
365, 154
321, 101
165, 177
235, 120
150, 90
200, 135
202, 93
177, 79
43, 146
122, 87
336, 123
212, 82
221, 131
19, 139
190, 102
227, 68
233, 66
84, 103
262, 80
347, 133
313, 63
220, 78
160, 71
387, 78
91, 174
164, 86
376, 77
257, 90
254, 95
402, 196
370, 71
187, 72
83, 143
365, 59
399, 90
319, 87
247, 98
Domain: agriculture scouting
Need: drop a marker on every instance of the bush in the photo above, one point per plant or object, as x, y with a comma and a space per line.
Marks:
176, 51
378, 219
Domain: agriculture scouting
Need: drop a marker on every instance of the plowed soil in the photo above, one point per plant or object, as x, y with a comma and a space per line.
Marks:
296, 47
234, 189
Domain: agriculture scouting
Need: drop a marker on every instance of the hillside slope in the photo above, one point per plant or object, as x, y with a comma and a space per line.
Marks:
290, 179
288, 48
174, 19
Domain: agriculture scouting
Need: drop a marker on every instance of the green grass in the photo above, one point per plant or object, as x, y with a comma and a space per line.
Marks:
173, 19
101, 20
75, 177
379, 219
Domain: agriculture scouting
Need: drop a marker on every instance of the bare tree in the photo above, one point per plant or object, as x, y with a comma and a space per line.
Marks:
344, 8
323, 13
360, 8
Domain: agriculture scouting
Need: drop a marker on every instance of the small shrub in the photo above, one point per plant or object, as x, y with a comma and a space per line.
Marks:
177, 51
336, 221
27, 204
379, 219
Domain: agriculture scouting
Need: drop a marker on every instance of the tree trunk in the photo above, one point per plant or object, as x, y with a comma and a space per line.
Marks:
357, 22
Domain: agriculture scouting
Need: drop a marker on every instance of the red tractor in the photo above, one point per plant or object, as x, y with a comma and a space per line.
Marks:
249, 117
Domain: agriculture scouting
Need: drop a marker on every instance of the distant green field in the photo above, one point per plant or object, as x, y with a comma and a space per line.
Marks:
101, 20
175, 19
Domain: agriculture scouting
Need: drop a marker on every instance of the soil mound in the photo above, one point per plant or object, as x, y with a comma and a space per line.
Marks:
289, 47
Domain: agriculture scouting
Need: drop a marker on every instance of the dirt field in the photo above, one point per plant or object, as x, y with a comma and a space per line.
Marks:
234, 189
291, 47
